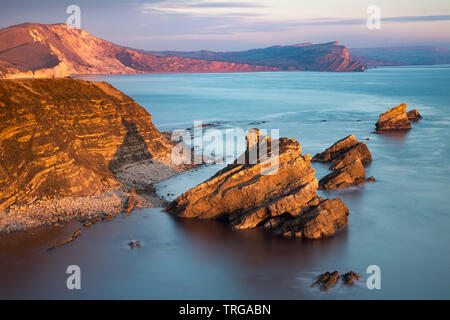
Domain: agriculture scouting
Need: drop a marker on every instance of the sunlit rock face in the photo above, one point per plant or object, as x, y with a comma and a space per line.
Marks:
33, 50
347, 157
284, 202
351, 174
393, 120
343, 152
65, 137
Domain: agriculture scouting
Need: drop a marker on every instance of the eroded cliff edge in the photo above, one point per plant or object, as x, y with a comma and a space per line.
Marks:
70, 148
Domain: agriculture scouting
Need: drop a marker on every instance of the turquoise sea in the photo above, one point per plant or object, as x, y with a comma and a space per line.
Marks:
401, 223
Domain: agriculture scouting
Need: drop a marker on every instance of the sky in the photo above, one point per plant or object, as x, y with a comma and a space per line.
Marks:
227, 25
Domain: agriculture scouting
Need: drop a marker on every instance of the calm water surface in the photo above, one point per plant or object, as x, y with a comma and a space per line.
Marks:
400, 223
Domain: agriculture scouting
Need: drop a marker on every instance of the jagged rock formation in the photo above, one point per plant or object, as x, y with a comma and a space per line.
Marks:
351, 174
347, 157
285, 202
329, 56
64, 138
414, 115
343, 152
393, 119
33, 50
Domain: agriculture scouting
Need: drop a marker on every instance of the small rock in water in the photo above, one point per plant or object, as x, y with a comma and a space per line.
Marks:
349, 278
134, 244
107, 218
414, 115
326, 280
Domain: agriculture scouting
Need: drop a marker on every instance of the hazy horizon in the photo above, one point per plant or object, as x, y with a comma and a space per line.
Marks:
233, 25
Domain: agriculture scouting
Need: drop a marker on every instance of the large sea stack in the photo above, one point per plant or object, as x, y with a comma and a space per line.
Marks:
285, 202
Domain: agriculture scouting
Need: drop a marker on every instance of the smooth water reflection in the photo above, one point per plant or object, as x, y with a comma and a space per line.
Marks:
400, 223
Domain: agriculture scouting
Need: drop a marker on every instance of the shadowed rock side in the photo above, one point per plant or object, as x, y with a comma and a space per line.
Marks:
343, 152
393, 119
32, 50
284, 202
414, 115
347, 157
63, 139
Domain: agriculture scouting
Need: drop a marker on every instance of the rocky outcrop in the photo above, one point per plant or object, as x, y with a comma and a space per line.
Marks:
347, 157
33, 50
351, 174
69, 147
414, 115
344, 152
394, 119
284, 202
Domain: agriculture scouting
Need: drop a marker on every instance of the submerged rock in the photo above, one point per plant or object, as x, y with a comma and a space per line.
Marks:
414, 115
130, 203
350, 175
350, 278
74, 236
284, 201
326, 280
134, 244
393, 119
343, 152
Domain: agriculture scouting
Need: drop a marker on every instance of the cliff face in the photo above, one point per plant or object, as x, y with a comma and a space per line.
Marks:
64, 137
40, 50
304, 57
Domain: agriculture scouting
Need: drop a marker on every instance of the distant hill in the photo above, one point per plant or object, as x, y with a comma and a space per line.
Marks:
409, 55
41, 50
329, 56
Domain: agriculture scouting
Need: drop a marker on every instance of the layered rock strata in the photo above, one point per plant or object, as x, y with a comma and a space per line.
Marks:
284, 202
347, 157
393, 120
70, 148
